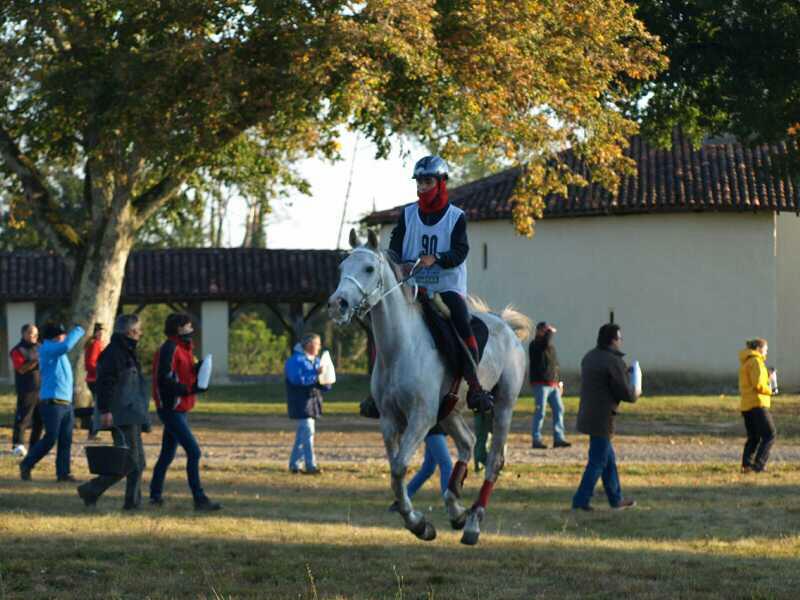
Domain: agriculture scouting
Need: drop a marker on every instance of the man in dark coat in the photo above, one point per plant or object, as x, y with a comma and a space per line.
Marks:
604, 384
545, 378
122, 401
25, 358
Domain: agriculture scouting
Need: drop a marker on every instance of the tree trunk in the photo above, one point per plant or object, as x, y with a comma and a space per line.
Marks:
97, 286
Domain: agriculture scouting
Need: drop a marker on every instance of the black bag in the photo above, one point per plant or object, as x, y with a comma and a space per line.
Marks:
114, 461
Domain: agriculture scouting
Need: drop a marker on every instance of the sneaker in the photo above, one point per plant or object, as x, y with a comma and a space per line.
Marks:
312, 471
759, 469
394, 507
538, 445
624, 503
206, 505
294, 470
586, 508
562, 444
24, 473
159, 502
131, 506
88, 499
19, 451
747, 469
68, 478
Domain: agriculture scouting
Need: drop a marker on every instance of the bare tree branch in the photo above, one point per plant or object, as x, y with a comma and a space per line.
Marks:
60, 234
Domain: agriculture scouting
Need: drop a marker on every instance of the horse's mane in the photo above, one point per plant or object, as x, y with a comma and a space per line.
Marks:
398, 275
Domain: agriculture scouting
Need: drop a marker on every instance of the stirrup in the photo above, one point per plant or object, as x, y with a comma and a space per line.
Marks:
480, 400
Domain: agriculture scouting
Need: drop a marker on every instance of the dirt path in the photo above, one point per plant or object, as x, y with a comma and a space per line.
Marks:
344, 439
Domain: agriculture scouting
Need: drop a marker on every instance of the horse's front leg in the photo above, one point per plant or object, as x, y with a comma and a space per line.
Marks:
494, 464
412, 437
464, 440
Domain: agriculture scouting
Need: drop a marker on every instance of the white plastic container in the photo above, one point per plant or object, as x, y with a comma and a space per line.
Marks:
327, 375
204, 374
636, 377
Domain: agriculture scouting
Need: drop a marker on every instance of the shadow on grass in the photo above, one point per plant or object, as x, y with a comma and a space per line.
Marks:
139, 560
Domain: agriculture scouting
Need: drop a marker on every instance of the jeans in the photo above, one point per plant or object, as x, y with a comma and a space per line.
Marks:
303, 448
436, 453
130, 435
27, 415
760, 438
58, 421
552, 396
602, 464
177, 431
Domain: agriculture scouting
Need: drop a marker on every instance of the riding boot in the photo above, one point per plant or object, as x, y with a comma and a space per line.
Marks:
478, 399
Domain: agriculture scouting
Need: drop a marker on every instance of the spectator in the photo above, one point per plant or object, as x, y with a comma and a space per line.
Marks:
56, 401
545, 380
755, 392
174, 391
604, 384
121, 401
91, 353
25, 358
304, 400
436, 454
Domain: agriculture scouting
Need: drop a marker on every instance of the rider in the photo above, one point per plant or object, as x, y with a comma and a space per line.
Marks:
435, 231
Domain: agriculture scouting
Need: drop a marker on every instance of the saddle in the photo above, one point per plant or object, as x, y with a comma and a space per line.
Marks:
445, 336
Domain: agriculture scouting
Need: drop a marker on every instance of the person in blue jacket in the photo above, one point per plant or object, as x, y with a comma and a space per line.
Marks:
304, 400
55, 405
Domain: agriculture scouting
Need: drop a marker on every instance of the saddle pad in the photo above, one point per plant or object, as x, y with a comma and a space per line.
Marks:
444, 336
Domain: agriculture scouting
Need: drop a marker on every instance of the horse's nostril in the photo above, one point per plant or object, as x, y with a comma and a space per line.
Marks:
343, 304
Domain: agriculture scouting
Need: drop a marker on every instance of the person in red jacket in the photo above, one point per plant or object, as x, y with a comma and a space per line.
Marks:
175, 393
91, 354
25, 358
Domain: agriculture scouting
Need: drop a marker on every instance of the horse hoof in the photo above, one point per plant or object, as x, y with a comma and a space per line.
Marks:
470, 538
459, 522
424, 530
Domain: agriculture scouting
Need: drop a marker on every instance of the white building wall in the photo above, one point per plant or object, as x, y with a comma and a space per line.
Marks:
687, 289
214, 338
17, 315
785, 351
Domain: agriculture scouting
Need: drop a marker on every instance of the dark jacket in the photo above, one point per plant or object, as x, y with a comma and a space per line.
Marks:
604, 384
25, 358
121, 388
459, 245
303, 391
175, 376
544, 360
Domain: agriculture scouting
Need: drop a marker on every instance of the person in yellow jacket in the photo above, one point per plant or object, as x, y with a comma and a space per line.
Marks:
755, 392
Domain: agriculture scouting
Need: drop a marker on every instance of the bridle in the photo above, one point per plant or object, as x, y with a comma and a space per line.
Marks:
366, 304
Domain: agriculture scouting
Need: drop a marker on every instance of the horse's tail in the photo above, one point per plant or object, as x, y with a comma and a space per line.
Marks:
520, 324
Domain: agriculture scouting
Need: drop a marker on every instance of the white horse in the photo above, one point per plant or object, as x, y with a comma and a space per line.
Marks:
409, 380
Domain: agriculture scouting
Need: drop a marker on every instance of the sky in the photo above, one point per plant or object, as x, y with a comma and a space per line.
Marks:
313, 221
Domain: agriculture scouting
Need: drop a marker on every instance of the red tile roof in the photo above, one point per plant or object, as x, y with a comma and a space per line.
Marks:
714, 177
236, 274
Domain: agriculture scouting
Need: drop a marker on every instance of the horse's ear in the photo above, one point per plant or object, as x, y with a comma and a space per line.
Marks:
353, 239
372, 239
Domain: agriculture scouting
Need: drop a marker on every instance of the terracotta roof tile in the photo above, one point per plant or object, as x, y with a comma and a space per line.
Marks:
720, 177
236, 274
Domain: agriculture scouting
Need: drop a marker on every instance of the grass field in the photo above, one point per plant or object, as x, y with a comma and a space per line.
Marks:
701, 530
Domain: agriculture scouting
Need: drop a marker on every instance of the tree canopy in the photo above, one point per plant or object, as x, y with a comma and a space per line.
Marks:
733, 69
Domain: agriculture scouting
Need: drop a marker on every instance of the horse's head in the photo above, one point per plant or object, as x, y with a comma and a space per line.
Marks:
361, 280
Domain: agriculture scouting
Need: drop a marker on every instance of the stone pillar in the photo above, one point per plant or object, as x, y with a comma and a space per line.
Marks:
214, 338
17, 314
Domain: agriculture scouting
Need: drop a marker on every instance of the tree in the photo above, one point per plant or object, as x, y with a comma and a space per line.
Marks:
139, 96
733, 69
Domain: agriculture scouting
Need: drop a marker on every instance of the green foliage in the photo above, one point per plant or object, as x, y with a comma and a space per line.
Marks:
254, 348
733, 69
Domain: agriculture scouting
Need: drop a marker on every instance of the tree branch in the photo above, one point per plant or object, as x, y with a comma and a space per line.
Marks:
61, 235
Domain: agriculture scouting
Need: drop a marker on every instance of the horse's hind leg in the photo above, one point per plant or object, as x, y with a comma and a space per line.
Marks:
494, 464
464, 440
412, 437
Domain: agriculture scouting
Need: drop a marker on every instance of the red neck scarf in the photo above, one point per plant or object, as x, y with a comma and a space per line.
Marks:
435, 199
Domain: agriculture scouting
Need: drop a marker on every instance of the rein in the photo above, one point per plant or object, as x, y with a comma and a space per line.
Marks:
366, 304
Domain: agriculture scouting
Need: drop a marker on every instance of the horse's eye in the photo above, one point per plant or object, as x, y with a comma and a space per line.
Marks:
370, 269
